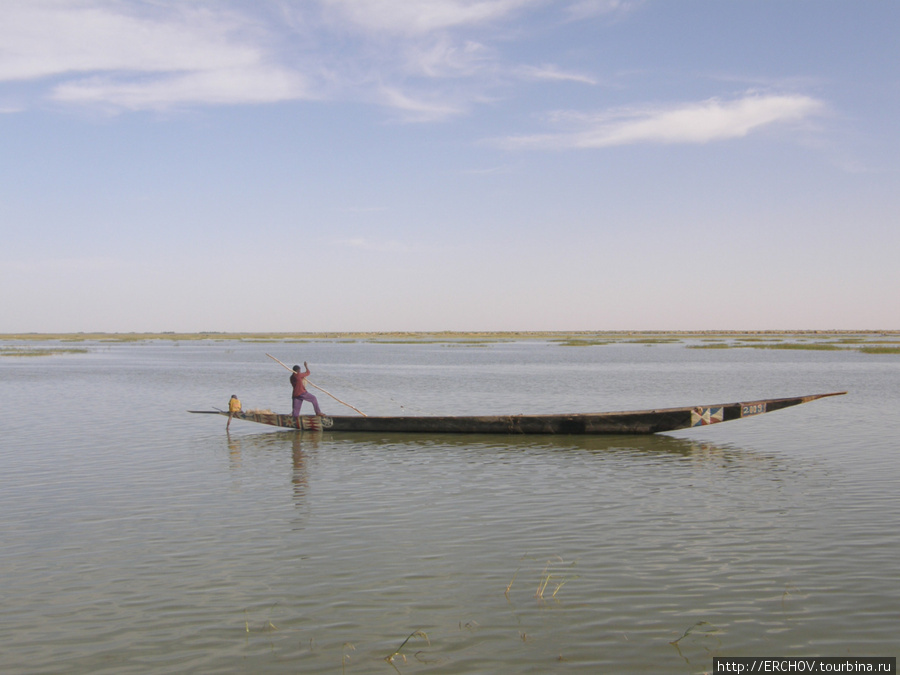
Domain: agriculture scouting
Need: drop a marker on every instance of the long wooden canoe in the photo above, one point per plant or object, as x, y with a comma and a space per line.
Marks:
631, 422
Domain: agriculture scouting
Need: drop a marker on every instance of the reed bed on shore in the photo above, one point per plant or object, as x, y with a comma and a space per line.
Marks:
866, 342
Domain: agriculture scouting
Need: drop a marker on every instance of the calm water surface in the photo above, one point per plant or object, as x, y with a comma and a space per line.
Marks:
136, 538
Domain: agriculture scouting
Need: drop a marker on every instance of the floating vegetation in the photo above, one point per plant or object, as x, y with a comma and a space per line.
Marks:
802, 346
654, 341
582, 342
40, 351
376, 341
879, 350
814, 346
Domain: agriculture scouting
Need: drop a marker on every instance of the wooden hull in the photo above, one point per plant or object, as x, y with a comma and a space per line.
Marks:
633, 422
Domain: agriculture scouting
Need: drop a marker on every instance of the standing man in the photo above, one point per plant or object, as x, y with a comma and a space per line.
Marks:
298, 382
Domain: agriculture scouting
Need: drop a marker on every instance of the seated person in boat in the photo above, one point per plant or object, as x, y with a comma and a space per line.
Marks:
234, 406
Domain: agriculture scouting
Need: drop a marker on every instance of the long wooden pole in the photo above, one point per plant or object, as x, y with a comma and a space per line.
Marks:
320, 388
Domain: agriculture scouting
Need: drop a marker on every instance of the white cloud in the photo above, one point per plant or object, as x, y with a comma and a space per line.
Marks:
118, 54
548, 72
443, 57
585, 9
419, 108
41, 38
121, 54
426, 60
704, 122
218, 86
418, 17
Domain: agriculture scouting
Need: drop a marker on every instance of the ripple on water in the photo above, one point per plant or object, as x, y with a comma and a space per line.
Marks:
153, 542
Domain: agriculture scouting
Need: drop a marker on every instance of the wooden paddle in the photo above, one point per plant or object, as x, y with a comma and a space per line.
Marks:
320, 388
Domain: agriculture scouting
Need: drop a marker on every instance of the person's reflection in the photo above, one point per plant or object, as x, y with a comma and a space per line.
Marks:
303, 448
234, 452
251, 449
300, 476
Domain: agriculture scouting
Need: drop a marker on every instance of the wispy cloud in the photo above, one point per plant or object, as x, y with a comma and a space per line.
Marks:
134, 56
413, 57
42, 38
419, 109
420, 17
209, 87
549, 72
422, 60
583, 9
703, 122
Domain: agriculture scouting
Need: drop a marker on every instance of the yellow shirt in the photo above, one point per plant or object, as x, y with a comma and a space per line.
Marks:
234, 405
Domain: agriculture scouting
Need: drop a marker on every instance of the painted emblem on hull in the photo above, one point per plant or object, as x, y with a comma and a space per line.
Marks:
314, 423
702, 416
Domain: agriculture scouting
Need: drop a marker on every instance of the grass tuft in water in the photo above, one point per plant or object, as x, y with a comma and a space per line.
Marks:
705, 630
399, 651
559, 579
345, 657
690, 630
509, 585
550, 574
789, 591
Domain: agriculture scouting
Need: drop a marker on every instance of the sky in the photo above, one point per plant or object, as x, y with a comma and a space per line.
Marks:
460, 165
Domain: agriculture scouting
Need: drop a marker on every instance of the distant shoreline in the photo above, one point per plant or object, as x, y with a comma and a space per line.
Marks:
864, 341
439, 335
